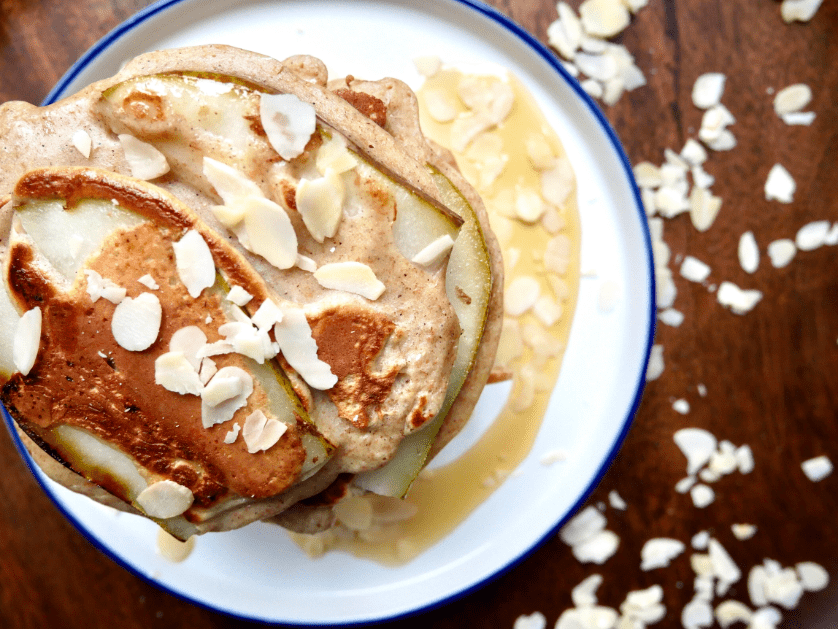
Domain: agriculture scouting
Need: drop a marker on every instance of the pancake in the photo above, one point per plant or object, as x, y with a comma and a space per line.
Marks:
397, 363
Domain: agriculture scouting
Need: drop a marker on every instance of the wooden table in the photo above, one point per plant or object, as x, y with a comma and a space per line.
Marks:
771, 375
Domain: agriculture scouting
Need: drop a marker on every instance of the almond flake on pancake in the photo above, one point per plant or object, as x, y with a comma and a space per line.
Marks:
174, 371
224, 394
83, 143
335, 156
299, 348
136, 322
208, 370
165, 499
304, 263
320, 204
189, 341
145, 161
261, 432
215, 349
288, 122
98, 286
232, 434
230, 183
239, 296
194, 262
248, 340
267, 315
351, 277
27, 340
148, 281
434, 251
269, 231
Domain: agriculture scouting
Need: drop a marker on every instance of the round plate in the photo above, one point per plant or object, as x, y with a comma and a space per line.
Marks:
256, 572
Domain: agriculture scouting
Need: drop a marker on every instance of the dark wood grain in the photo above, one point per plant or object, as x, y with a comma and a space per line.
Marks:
771, 376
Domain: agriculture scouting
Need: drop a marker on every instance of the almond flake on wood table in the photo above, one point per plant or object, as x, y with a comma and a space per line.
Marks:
730, 612
604, 18
136, 322
812, 235
351, 277
708, 90
724, 568
813, 576
536, 620
700, 540
702, 496
781, 252
744, 459
694, 269
748, 252
659, 552
738, 300
582, 526
671, 317
818, 468
194, 262
779, 185
681, 406
694, 153
616, 501
145, 161
697, 444
655, 367
743, 531
799, 10
799, 118
27, 340
697, 614
83, 143
598, 549
584, 594
288, 122
792, 99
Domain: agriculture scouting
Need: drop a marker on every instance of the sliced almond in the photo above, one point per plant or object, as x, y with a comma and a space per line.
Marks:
230, 183
148, 281
334, 155
521, 295
558, 182
83, 143
98, 286
708, 89
799, 10
779, 185
748, 252
320, 203
792, 99
270, 233
145, 161
194, 263
261, 432
224, 394
818, 468
694, 269
529, 206
288, 122
232, 434
298, 347
27, 340
738, 300
427, 65
189, 341
604, 18
239, 296
439, 105
434, 251
173, 371
136, 322
812, 235
352, 277
165, 499
659, 552
697, 444
781, 252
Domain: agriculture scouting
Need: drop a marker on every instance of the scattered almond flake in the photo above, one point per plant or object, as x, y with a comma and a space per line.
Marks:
249, 341
781, 252
779, 185
598, 549
604, 18
701, 178
702, 390
208, 370
165, 499
681, 406
693, 153
702, 495
670, 201
583, 526
644, 605
224, 394
427, 65
148, 281
609, 296
173, 371
723, 461
696, 614
799, 10
812, 235
288, 122
434, 251
685, 484
745, 459
571, 69
351, 277
756, 585
799, 118
98, 286
261, 432
547, 310
189, 341
298, 347
708, 475
700, 540
539, 151
765, 618
320, 204
306, 264
267, 315
738, 300
136, 322
27, 340
672, 317
584, 594
730, 612
724, 141
194, 262
743, 531
593, 88
231, 184
784, 588
521, 295
83, 143
818, 468
647, 175
145, 161
557, 182
655, 367
714, 121
232, 434
813, 576
599, 67
334, 155
239, 296
552, 221
708, 89
529, 205
659, 552
268, 231
439, 105
595, 617
724, 568
552, 457
536, 620
616, 501
557, 254
701, 565
748, 252
792, 99
694, 269
665, 289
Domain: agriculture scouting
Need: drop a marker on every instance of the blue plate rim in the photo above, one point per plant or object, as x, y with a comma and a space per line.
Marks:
546, 55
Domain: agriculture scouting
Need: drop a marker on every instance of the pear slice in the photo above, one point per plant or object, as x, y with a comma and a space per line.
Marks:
468, 282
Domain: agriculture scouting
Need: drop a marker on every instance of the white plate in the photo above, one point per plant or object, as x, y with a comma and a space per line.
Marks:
256, 572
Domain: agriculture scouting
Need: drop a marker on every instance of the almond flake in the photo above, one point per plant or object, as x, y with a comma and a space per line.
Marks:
230, 184
781, 252
647, 175
224, 394
298, 347
696, 614
659, 552
136, 322
583, 526
558, 182
440, 106
521, 295
730, 612
792, 98
27, 340
539, 151
427, 65
672, 317
268, 315
817, 469
434, 251
779, 185
598, 549
697, 444
165, 499
681, 406
173, 371
529, 206
148, 281
98, 286
743, 531
593, 88
320, 203
83, 143
724, 141
145, 161
700, 540
557, 254
288, 122
799, 118
584, 594
748, 252
269, 232
694, 153
536, 620
744, 459
305, 263
724, 568
756, 585
352, 277
604, 18
655, 366
813, 576
189, 341
547, 310
194, 262
694, 269
232, 434
334, 155
261, 432
738, 300
812, 235
708, 89
239, 296
799, 10
702, 495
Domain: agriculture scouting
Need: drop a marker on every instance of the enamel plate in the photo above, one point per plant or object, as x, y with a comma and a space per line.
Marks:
256, 572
